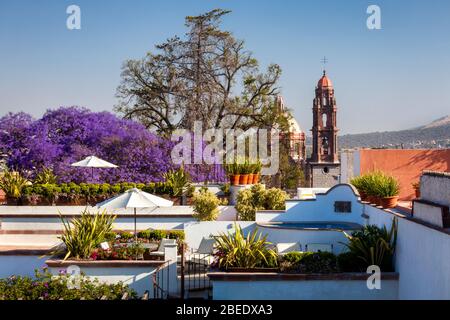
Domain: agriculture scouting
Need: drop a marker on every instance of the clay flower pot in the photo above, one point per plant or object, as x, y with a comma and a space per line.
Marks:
371, 199
363, 196
243, 179
234, 179
255, 178
250, 178
389, 202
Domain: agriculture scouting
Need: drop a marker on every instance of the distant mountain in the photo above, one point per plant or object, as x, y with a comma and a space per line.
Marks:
433, 135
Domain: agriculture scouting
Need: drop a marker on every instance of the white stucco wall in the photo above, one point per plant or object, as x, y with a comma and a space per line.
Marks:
435, 188
422, 257
195, 231
319, 209
303, 290
20, 265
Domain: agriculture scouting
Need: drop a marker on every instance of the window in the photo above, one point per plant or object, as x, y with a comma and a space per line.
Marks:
343, 206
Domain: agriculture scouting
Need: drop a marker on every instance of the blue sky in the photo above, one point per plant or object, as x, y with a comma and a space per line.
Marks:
388, 79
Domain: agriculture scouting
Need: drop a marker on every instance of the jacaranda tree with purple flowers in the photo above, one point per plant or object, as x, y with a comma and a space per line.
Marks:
69, 134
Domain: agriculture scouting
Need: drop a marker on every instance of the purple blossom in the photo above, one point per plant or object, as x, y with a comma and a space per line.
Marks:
69, 134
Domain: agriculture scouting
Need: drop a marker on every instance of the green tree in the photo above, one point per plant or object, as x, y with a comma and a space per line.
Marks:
206, 76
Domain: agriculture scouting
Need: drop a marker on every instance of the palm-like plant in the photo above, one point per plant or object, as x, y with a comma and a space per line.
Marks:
237, 250
178, 181
12, 183
45, 176
85, 233
373, 245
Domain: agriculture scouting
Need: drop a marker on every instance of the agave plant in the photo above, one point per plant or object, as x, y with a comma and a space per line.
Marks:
239, 251
178, 181
12, 183
84, 234
373, 245
45, 176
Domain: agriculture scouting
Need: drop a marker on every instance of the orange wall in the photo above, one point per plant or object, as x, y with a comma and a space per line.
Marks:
405, 165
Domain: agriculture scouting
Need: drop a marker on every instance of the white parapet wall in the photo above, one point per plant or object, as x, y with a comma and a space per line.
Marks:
278, 286
422, 255
322, 208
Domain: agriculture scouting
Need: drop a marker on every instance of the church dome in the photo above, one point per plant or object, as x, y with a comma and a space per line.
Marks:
324, 82
294, 127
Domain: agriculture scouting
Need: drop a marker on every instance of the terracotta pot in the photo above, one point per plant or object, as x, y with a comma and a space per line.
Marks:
243, 179
417, 191
250, 178
389, 202
255, 178
235, 179
371, 199
363, 196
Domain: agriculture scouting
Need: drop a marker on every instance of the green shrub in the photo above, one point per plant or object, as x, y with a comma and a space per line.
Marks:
258, 198
206, 206
234, 250
45, 286
349, 262
275, 199
125, 235
160, 234
374, 246
309, 262
84, 233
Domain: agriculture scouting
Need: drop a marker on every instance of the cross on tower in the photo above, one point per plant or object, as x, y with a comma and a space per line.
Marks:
324, 62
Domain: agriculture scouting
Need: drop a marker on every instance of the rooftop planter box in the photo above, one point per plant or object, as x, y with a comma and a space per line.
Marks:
288, 286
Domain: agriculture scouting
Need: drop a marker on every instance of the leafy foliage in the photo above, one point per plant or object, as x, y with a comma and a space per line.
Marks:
258, 198
206, 206
309, 262
45, 176
207, 76
373, 246
239, 251
46, 286
376, 183
12, 183
178, 181
85, 233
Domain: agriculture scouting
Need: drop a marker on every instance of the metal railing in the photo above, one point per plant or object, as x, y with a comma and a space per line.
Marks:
161, 281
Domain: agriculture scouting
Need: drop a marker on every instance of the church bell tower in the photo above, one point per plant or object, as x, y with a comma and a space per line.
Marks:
323, 165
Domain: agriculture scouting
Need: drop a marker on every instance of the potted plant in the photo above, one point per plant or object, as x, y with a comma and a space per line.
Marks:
389, 191
237, 252
257, 172
251, 170
416, 186
233, 173
244, 172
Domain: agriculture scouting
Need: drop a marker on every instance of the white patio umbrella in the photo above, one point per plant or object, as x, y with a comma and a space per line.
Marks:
93, 162
134, 198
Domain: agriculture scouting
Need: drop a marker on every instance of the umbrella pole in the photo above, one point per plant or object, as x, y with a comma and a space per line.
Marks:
92, 174
135, 233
